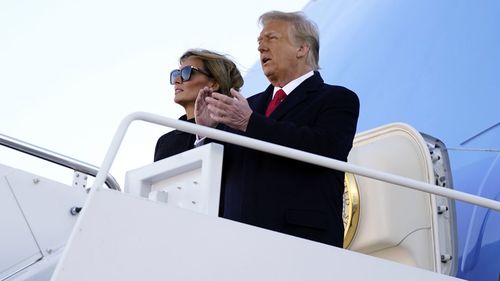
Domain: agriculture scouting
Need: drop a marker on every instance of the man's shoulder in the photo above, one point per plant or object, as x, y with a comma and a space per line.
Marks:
327, 88
335, 94
316, 83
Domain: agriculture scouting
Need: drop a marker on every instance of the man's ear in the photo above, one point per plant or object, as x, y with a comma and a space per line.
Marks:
302, 50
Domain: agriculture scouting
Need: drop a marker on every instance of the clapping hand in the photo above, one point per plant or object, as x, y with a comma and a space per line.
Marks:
232, 111
201, 113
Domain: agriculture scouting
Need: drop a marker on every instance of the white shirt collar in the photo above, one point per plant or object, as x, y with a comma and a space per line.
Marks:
288, 88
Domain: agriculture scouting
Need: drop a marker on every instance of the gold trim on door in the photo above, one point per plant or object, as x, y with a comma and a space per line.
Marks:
350, 213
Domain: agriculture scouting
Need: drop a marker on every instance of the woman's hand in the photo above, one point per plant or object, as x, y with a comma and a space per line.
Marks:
201, 113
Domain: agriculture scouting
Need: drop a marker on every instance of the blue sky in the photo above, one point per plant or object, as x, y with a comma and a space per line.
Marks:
71, 70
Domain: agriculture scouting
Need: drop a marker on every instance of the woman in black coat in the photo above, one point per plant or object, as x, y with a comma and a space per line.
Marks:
198, 69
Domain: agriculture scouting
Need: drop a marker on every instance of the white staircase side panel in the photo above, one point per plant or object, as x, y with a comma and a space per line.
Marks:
41, 270
17, 244
46, 205
190, 180
123, 237
36, 223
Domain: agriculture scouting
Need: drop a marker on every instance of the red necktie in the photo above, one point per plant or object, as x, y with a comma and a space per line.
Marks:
278, 98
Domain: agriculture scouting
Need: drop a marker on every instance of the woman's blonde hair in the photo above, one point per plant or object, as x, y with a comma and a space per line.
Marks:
220, 68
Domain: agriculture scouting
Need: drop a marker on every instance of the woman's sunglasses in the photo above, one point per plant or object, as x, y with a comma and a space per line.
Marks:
185, 73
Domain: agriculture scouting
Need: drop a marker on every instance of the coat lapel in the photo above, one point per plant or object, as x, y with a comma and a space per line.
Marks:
297, 96
260, 101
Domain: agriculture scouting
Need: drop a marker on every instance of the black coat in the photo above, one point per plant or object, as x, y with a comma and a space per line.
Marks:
286, 195
174, 142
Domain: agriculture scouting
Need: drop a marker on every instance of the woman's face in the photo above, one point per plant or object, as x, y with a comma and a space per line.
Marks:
187, 91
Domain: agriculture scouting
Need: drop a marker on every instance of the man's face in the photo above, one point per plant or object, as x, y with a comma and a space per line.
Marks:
278, 55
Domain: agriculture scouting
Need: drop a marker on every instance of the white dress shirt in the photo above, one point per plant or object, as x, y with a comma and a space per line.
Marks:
288, 88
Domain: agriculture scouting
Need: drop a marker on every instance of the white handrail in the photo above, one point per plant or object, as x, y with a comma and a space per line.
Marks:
281, 151
54, 157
